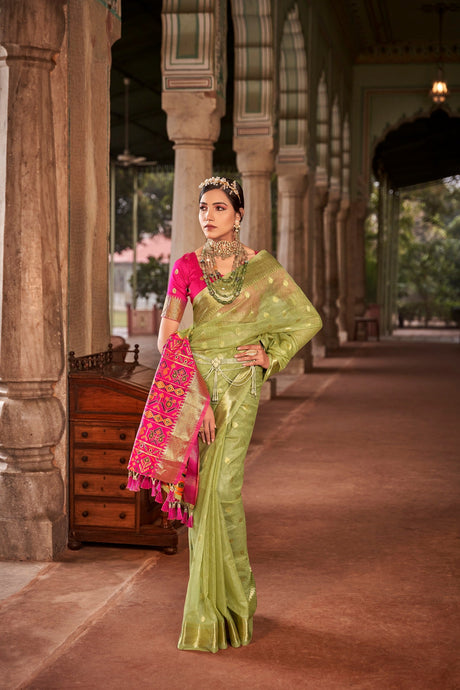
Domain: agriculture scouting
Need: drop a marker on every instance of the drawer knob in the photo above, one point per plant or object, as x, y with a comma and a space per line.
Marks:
122, 487
122, 436
122, 461
122, 516
84, 434
85, 485
85, 513
84, 458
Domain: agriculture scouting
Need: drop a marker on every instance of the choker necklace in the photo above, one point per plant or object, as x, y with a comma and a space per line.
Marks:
224, 289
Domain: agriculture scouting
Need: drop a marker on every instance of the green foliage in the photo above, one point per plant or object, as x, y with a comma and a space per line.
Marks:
152, 278
371, 233
429, 252
155, 191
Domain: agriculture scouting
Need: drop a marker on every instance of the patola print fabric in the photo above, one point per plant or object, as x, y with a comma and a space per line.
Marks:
164, 458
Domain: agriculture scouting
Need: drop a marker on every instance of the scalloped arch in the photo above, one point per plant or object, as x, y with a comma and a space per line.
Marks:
254, 65
421, 149
293, 117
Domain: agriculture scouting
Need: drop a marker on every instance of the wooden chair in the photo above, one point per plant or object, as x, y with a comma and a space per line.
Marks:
369, 324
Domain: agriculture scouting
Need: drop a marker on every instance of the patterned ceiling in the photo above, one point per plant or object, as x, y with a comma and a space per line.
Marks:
377, 31
388, 30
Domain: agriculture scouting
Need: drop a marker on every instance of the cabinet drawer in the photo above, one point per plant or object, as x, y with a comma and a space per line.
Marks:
104, 514
89, 433
104, 459
110, 485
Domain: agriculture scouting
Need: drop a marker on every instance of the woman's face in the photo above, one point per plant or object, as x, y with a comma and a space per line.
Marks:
217, 215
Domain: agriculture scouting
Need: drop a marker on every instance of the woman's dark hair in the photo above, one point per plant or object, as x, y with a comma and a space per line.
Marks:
236, 200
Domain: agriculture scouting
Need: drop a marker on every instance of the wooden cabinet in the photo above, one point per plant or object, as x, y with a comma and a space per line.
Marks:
106, 401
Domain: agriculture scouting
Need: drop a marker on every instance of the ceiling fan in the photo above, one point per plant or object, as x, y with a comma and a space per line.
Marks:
126, 159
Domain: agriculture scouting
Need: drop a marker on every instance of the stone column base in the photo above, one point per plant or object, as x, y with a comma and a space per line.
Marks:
32, 539
318, 348
296, 366
32, 524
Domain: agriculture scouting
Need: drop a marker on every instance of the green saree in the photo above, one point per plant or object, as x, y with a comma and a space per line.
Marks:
271, 308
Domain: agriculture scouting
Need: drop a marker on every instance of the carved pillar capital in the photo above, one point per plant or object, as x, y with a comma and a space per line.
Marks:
321, 196
32, 30
254, 154
292, 181
255, 160
344, 210
292, 185
193, 124
333, 203
193, 118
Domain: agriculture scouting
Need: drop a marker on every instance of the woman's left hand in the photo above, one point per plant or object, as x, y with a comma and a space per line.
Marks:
252, 356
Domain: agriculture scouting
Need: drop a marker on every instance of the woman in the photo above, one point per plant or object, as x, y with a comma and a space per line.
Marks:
249, 320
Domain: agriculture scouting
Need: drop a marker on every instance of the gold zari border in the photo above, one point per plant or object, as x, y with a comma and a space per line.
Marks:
173, 308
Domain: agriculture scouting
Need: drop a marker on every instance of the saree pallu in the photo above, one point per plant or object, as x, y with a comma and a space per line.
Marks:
164, 457
271, 308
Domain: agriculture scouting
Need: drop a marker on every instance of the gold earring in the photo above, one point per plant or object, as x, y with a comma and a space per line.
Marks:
236, 225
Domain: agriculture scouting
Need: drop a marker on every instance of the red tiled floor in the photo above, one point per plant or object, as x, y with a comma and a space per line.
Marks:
352, 499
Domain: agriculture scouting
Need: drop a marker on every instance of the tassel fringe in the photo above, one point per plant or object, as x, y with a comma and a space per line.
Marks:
176, 510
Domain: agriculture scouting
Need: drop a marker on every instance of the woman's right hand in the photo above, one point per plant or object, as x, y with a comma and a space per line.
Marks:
208, 427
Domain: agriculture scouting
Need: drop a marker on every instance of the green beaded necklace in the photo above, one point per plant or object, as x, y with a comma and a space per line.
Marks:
224, 289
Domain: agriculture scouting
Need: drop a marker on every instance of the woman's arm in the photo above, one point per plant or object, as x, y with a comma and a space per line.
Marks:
175, 301
167, 328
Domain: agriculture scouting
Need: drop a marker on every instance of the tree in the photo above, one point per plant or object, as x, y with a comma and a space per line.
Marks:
371, 240
152, 278
155, 190
429, 252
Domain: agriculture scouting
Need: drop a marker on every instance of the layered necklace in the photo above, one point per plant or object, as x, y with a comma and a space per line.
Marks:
224, 289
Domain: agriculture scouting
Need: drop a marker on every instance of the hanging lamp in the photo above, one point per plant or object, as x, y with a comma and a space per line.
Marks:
439, 90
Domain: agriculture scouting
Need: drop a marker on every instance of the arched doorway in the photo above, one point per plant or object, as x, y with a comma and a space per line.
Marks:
420, 151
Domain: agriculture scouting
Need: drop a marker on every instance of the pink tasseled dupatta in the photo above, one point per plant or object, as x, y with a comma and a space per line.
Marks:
165, 454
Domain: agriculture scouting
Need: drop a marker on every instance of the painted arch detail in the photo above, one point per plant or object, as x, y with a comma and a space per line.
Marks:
322, 130
346, 159
336, 145
253, 108
293, 91
193, 54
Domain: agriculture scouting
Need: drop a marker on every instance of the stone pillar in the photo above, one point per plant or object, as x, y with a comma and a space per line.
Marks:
194, 125
91, 30
355, 264
307, 281
255, 161
193, 66
309, 240
331, 330
342, 252
292, 186
387, 254
319, 264
32, 520
394, 260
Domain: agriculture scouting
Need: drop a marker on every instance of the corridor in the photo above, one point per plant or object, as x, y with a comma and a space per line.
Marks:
352, 504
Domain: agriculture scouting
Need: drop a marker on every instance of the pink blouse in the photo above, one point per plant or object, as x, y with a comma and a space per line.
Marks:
186, 280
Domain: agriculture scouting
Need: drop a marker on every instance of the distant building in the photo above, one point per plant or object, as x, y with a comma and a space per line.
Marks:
157, 246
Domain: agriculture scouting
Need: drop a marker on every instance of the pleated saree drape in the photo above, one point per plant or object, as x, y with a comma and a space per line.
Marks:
271, 308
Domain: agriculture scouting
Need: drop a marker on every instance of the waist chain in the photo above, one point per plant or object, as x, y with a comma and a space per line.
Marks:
215, 370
